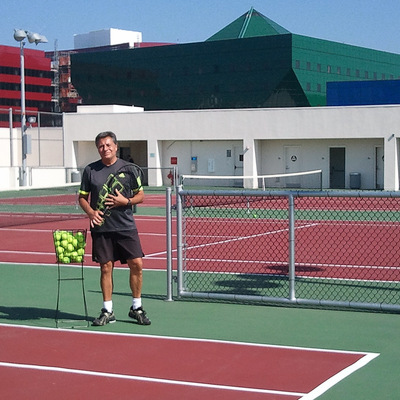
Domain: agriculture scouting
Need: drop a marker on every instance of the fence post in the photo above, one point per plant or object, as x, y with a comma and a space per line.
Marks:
292, 273
179, 244
168, 208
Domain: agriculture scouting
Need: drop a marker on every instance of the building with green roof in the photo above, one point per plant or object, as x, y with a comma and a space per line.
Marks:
251, 63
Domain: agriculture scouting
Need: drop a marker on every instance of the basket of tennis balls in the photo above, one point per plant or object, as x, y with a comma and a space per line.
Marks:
69, 245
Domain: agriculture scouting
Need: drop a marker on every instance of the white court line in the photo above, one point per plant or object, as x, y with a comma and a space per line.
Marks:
146, 379
367, 357
236, 239
319, 390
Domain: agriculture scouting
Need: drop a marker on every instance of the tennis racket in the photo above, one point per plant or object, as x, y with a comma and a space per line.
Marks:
127, 180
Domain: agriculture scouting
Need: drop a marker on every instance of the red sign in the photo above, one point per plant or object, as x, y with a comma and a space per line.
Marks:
174, 160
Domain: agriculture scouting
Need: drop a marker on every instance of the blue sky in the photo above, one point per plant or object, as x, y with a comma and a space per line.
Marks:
367, 23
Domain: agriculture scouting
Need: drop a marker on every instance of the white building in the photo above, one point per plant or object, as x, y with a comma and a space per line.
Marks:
340, 141
106, 37
249, 142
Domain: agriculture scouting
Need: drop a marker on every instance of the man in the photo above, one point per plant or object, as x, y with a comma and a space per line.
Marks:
113, 228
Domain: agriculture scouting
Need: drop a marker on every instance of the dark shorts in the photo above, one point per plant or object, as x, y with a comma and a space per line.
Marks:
116, 246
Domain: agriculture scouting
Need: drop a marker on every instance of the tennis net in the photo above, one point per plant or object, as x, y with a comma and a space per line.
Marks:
35, 206
298, 180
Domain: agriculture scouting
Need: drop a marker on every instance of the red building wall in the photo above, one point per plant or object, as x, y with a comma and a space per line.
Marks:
38, 87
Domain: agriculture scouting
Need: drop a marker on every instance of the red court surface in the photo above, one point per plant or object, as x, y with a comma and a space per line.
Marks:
42, 363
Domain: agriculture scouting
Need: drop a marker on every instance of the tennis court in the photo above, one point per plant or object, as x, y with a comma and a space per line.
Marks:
193, 349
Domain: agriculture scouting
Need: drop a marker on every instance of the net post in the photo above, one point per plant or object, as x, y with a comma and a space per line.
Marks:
320, 180
176, 178
292, 274
168, 209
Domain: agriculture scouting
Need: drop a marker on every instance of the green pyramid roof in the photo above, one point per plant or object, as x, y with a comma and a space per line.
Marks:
250, 24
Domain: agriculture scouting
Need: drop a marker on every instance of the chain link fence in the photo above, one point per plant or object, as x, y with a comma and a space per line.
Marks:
325, 249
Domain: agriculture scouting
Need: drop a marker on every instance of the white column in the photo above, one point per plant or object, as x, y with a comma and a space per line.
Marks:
250, 164
154, 163
391, 166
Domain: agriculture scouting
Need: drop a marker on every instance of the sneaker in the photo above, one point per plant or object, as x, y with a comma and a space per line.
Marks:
104, 318
140, 315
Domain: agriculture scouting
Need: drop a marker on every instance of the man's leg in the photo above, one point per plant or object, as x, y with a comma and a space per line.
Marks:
136, 277
136, 281
106, 284
106, 280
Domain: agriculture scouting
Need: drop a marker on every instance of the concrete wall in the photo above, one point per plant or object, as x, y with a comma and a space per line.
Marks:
262, 134
263, 138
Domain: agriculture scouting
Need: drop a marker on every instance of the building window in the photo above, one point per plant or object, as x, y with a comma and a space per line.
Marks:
366, 75
383, 77
308, 66
357, 73
308, 86
348, 72
297, 64
328, 69
375, 76
339, 71
318, 87
318, 67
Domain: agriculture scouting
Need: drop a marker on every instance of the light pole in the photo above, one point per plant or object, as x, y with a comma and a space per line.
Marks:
19, 36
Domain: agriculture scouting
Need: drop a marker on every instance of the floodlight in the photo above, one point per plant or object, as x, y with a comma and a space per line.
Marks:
19, 35
36, 38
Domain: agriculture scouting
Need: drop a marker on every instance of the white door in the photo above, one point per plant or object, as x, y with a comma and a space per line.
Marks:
293, 163
238, 164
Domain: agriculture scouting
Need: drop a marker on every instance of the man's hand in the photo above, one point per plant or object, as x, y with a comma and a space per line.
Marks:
96, 218
116, 200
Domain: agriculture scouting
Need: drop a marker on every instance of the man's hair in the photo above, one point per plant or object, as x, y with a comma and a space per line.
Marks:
102, 135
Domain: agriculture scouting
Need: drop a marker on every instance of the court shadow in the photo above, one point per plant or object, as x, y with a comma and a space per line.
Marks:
284, 269
248, 284
34, 313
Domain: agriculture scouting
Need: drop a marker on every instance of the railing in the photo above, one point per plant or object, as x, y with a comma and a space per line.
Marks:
316, 248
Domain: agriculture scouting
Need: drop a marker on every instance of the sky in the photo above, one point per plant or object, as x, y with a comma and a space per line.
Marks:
373, 24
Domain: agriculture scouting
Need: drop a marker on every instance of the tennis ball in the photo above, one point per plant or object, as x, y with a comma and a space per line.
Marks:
64, 243
80, 252
64, 235
70, 248
78, 259
74, 243
57, 236
255, 215
80, 236
66, 260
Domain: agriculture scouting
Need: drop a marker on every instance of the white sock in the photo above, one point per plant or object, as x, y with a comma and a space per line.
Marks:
108, 305
136, 302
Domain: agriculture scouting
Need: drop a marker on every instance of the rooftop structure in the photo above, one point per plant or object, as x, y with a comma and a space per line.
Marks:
251, 63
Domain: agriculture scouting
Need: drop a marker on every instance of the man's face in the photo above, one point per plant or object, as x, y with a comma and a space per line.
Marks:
107, 150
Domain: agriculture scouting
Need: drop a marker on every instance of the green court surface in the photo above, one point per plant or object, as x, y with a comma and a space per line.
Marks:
28, 296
